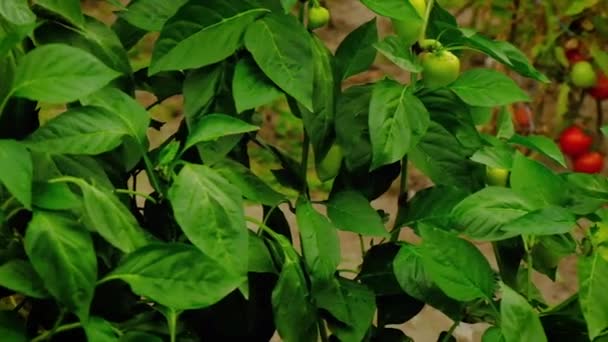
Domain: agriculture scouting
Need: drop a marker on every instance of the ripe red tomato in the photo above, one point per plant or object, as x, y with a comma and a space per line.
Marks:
522, 116
574, 141
600, 91
592, 162
575, 55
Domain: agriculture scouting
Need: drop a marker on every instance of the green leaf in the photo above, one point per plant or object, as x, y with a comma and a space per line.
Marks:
541, 144
288, 5
17, 172
483, 214
431, 205
546, 221
62, 253
396, 9
82, 130
20, 276
593, 298
166, 272
210, 212
320, 244
504, 124
282, 49
537, 182
487, 88
399, 122
519, 321
351, 304
150, 15
68, 9
351, 211
12, 327
259, 258
57, 73
199, 90
294, 314
12, 35
214, 126
319, 123
109, 217
416, 282
578, 6
100, 330
184, 40
356, 53
492, 334
352, 134
500, 156
17, 12
456, 265
394, 49
251, 186
54, 196
377, 270
441, 157
250, 86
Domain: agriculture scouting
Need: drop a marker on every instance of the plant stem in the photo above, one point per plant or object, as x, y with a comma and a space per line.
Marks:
172, 324
361, 245
151, 175
447, 336
402, 199
304, 170
322, 330
600, 118
528, 246
5, 101
59, 329
427, 15
135, 193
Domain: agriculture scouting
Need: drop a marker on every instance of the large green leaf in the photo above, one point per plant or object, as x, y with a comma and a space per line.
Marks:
17, 12
57, 73
69, 9
351, 211
282, 49
456, 265
393, 48
250, 86
62, 253
351, 304
178, 276
200, 88
533, 180
319, 241
252, 187
17, 173
20, 276
397, 9
519, 321
398, 123
546, 221
542, 144
432, 205
82, 130
295, 315
210, 212
483, 214
352, 134
185, 39
150, 15
12, 327
214, 126
100, 330
356, 53
593, 297
319, 123
487, 88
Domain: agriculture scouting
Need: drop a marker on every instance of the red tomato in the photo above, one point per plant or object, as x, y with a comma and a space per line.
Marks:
575, 55
574, 141
592, 162
522, 115
600, 91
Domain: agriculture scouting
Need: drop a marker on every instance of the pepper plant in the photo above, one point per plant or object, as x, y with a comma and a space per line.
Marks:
88, 255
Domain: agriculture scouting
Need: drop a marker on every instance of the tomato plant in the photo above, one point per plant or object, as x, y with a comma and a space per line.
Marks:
583, 75
591, 162
110, 234
574, 141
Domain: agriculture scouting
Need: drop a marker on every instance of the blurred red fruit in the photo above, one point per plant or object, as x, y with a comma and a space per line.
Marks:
522, 116
592, 162
574, 141
600, 91
574, 56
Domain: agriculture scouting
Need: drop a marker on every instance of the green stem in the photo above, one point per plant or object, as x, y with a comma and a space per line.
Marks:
447, 336
427, 15
322, 330
135, 193
7, 203
263, 227
172, 325
401, 199
59, 329
151, 175
304, 170
528, 248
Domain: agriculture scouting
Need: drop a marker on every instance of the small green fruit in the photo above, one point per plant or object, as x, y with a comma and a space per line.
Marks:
497, 176
583, 75
409, 31
439, 68
331, 164
318, 17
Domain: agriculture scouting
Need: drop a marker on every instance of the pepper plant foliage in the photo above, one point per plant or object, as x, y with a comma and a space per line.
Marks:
85, 255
